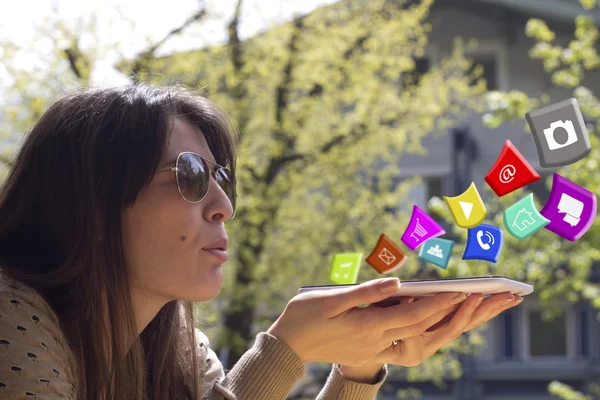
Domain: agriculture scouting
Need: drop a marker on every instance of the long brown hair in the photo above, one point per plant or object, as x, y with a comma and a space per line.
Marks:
87, 159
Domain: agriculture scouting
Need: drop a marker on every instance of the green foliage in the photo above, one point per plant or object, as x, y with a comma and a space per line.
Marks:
566, 392
345, 71
51, 63
325, 103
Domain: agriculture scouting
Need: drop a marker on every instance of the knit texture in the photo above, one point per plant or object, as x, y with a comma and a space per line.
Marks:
36, 361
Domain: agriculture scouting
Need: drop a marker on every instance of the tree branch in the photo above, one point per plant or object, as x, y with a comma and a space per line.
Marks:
277, 165
147, 55
234, 38
281, 104
240, 91
73, 55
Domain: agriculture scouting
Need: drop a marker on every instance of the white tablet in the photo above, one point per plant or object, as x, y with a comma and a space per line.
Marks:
486, 284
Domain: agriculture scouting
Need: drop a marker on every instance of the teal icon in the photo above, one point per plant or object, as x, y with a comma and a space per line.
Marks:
437, 251
522, 219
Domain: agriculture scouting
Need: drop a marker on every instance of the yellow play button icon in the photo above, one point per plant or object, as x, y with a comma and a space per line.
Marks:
467, 209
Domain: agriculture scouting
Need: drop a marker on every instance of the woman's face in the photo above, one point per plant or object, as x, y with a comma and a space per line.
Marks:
164, 235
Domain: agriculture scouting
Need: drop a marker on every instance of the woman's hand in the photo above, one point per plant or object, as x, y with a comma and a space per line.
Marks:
488, 309
472, 313
328, 326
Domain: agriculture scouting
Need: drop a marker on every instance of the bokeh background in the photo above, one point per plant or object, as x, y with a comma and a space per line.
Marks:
350, 112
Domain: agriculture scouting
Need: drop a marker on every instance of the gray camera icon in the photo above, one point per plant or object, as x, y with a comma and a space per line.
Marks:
547, 126
568, 127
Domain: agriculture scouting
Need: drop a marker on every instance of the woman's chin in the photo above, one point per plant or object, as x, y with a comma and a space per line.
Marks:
206, 290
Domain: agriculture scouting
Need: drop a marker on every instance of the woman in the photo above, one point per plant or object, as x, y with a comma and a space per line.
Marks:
112, 226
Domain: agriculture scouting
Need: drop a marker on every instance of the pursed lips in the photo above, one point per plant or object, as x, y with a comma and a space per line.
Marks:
218, 249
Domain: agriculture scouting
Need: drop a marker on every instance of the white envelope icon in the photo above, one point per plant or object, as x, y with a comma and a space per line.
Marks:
387, 257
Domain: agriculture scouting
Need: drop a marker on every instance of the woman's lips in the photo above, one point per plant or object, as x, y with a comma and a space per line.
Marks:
219, 254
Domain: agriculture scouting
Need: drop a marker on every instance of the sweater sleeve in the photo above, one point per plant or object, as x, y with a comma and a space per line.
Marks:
34, 359
270, 369
339, 387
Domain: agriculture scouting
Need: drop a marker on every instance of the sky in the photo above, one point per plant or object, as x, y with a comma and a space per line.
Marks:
134, 23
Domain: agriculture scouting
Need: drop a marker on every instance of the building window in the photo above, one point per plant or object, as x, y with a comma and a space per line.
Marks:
541, 344
435, 187
523, 334
490, 72
506, 334
584, 334
537, 344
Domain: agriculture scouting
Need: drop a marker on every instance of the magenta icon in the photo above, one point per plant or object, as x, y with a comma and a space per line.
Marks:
420, 229
571, 209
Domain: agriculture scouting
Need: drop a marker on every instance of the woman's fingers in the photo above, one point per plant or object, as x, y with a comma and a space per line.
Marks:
417, 329
490, 308
404, 315
454, 328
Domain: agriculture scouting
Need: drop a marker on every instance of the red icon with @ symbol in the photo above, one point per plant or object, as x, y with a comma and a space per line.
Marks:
510, 172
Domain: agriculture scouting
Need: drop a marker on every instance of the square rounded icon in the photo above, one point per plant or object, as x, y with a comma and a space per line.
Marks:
571, 209
386, 256
522, 219
437, 251
345, 267
511, 171
484, 242
467, 209
560, 134
421, 228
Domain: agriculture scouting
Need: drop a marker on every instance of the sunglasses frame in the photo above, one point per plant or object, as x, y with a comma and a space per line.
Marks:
212, 173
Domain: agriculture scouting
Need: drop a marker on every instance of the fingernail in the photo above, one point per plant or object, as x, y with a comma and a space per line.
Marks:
458, 298
519, 301
508, 301
389, 285
478, 302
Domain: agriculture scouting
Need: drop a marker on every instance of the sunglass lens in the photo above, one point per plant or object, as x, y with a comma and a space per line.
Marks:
192, 177
225, 181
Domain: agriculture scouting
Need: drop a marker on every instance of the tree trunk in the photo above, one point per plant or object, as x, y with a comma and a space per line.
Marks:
239, 316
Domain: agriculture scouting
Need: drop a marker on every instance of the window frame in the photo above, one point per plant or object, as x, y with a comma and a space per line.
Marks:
444, 183
498, 50
523, 350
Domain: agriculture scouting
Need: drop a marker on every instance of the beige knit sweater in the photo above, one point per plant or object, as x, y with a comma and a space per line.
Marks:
37, 363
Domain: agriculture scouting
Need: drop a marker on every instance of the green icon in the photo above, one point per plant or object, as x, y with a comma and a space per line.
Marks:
522, 219
345, 268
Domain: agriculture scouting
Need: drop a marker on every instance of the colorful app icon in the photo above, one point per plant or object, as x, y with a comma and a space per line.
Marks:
484, 242
560, 134
571, 209
386, 256
437, 251
522, 219
510, 172
420, 229
345, 268
467, 209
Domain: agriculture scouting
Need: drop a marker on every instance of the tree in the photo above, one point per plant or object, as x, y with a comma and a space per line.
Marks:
63, 57
324, 104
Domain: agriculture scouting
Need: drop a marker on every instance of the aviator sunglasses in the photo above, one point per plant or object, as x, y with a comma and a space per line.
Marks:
193, 178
